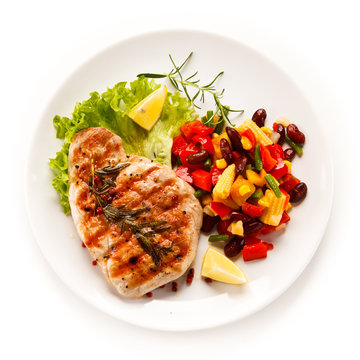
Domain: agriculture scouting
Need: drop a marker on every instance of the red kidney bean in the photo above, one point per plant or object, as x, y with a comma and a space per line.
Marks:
298, 193
240, 164
226, 151
238, 215
235, 138
295, 134
209, 222
222, 227
197, 157
252, 227
234, 246
289, 154
251, 158
281, 130
259, 117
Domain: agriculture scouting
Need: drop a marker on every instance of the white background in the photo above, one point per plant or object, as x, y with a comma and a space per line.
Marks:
316, 41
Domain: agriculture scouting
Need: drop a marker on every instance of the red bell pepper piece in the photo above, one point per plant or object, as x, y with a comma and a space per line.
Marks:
254, 251
221, 209
275, 126
222, 227
202, 179
190, 149
201, 129
289, 183
205, 141
279, 170
266, 158
215, 173
179, 143
184, 173
195, 127
251, 210
250, 135
276, 152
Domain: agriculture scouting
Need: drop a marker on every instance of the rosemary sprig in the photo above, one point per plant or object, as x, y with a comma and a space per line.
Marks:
124, 218
180, 83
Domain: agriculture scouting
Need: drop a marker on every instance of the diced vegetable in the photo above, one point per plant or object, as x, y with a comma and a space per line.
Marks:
267, 160
272, 214
220, 209
260, 136
248, 134
183, 172
220, 237
258, 162
202, 179
254, 251
279, 170
215, 173
179, 143
240, 196
200, 193
255, 178
273, 184
226, 179
251, 210
276, 151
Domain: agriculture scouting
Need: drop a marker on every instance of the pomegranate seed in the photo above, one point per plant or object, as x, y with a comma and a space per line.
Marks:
208, 280
94, 262
174, 286
190, 276
83, 245
112, 191
96, 178
174, 198
162, 286
99, 211
149, 294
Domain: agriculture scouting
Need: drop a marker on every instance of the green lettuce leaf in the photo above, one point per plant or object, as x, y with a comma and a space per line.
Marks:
110, 110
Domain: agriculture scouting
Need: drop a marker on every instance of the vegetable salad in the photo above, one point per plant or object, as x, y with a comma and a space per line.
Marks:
243, 178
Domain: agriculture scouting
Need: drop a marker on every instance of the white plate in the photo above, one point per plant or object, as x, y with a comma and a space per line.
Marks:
251, 81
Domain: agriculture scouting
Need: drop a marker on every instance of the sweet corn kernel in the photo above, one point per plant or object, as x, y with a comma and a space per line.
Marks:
244, 189
246, 143
288, 164
237, 228
266, 130
283, 121
221, 164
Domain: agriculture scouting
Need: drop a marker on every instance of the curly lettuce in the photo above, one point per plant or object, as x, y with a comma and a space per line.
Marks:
110, 110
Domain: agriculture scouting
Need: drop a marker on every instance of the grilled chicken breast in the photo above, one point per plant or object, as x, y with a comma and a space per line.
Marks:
140, 222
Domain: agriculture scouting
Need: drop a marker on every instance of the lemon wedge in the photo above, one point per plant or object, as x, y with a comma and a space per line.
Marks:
147, 112
218, 267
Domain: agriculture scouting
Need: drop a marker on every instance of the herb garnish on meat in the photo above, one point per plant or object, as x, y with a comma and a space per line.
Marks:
125, 218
